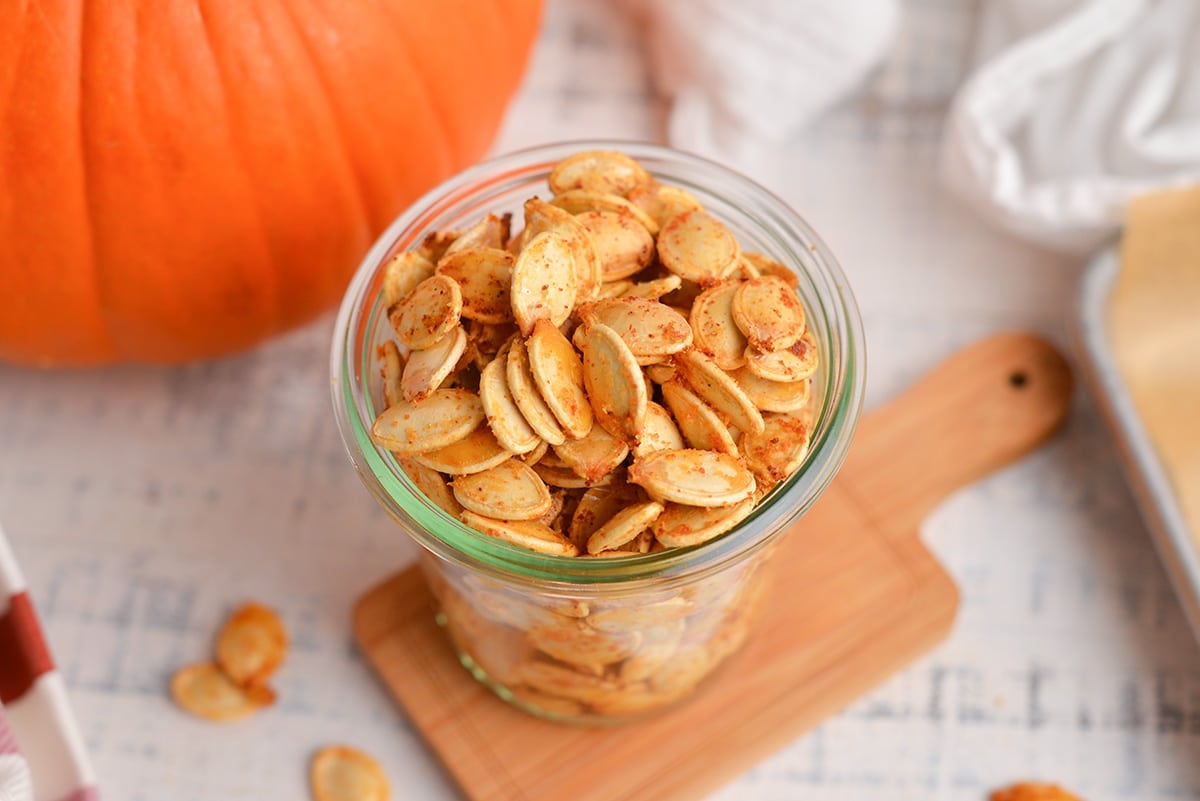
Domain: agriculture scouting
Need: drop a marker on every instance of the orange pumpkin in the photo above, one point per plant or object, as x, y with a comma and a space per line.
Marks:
180, 179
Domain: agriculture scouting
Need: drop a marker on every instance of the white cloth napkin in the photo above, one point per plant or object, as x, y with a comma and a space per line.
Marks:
744, 73
1086, 104
1075, 107
15, 784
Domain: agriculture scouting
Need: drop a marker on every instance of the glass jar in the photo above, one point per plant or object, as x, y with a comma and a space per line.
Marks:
600, 640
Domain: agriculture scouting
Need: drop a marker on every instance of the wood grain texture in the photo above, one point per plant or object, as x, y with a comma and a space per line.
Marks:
856, 595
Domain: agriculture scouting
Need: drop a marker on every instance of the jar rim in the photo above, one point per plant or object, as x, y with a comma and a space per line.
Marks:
444, 535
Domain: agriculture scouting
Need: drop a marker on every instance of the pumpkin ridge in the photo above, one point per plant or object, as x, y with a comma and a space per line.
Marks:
449, 154
99, 276
367, 208
261, 227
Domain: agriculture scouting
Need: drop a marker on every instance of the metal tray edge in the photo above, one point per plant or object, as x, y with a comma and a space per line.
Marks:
1143, 469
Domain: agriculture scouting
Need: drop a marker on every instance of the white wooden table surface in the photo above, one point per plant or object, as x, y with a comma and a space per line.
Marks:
143, 503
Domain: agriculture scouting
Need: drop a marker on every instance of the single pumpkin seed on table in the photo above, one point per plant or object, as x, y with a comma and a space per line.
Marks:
341, 773
204, 690
251, 644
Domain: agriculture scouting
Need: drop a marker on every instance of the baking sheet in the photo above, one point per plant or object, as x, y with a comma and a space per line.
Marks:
1152, 488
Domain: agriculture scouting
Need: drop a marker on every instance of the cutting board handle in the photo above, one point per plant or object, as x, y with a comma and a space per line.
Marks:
984, 407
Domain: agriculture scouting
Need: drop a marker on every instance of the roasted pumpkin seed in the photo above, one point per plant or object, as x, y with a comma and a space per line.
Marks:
427, 369
543, 281
769, 313
527, 396
431, 311
484, 277
614, 383
718, 390
524, 533
445, 417
558, 373
508, 491
475, 452
693, 477
697, 247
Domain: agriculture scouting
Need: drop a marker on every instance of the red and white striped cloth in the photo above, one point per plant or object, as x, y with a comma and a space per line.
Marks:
42, 757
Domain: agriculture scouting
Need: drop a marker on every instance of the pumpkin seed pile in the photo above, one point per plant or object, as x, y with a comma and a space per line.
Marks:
619, 346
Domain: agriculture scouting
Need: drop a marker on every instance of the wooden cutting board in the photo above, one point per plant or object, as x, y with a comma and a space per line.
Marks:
856, 597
